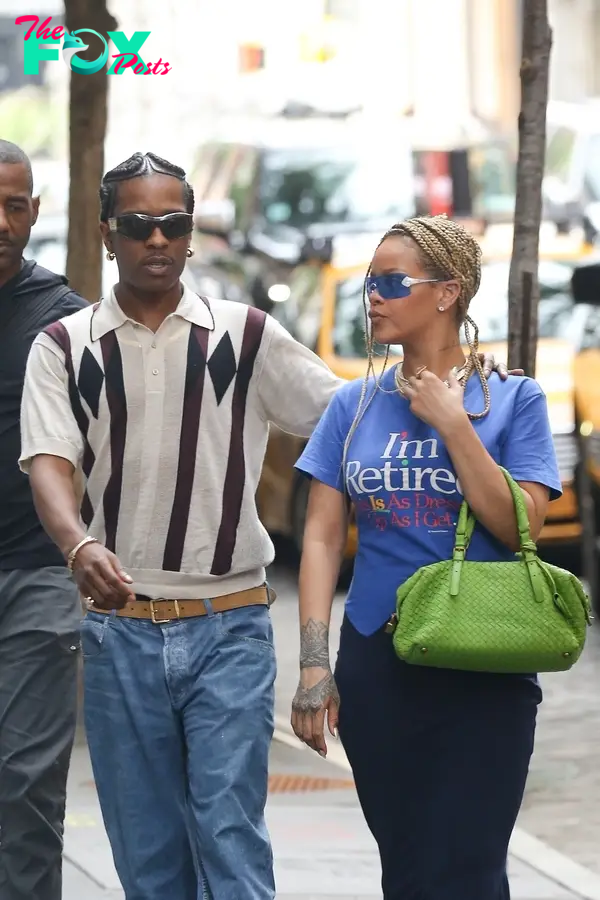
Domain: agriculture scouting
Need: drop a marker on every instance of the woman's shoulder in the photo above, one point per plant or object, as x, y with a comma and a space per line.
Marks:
350, 393
521, 387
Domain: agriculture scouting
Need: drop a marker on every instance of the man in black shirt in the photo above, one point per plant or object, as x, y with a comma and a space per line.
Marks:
39, 603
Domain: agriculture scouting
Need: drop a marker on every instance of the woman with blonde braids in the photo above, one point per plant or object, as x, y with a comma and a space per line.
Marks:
440, 758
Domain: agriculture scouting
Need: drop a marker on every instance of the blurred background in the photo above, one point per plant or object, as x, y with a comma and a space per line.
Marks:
307, 129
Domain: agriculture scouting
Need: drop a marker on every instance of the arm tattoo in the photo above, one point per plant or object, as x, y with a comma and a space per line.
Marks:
314, 645
311, 700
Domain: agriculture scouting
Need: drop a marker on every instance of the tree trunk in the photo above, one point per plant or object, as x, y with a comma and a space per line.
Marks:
88, 113
523, 287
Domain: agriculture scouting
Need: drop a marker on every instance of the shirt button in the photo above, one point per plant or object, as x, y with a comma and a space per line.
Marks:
154, 345
155, 371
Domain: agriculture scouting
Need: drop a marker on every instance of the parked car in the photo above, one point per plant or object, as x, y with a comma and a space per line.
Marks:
572, 170
262, 199
325, 312
586, 292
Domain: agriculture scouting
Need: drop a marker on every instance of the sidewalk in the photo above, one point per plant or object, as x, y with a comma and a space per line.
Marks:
321, 844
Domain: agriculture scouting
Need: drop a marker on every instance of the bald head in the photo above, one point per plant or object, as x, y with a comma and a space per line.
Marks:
11, 154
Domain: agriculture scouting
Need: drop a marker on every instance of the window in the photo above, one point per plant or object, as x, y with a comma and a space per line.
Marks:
334, 185
559, 153
349, 324
208, 165
592, 168
493, 175
489, 309
301, 313
241, 184
591, 334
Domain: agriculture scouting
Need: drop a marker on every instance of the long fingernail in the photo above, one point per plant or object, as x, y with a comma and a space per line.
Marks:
336, 733
323, 754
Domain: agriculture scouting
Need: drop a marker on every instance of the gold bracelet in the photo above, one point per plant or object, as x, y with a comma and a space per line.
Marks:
77, 548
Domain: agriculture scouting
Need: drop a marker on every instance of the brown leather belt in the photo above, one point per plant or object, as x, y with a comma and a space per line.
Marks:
162, 611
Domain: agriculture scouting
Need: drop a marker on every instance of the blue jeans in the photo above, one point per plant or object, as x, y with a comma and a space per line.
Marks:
179, 719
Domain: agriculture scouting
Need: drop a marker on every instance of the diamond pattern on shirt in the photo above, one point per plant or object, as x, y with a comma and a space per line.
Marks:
222, 366
90, 381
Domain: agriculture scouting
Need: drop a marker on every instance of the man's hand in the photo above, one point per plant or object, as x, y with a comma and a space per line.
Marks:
316, 695
100, 577
490, 365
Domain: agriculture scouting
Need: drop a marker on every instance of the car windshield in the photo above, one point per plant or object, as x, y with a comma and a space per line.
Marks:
489, 308
334, 185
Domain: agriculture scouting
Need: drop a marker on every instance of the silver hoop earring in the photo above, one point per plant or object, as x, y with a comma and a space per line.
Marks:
189, 252
110, 255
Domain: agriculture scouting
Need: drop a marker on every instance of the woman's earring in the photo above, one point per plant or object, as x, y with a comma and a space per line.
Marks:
440, 308
189, 252
110, 255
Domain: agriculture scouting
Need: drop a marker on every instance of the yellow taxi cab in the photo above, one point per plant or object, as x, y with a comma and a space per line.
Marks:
586, 293
323, 308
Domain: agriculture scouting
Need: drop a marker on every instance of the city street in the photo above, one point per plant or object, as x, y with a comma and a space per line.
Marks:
322, 847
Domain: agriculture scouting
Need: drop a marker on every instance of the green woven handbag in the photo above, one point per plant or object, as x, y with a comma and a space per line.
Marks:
522, 616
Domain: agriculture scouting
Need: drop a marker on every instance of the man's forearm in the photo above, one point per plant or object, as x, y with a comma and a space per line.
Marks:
56, 501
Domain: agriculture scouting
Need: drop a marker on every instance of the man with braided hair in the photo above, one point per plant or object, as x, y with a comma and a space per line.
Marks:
162, 400
440, 757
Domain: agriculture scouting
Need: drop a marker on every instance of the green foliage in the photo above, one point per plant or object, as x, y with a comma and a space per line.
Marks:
34, 121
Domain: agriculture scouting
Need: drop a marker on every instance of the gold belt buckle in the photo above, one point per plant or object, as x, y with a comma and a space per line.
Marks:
164, 621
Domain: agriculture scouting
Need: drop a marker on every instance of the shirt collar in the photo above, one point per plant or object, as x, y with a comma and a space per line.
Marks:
108, 315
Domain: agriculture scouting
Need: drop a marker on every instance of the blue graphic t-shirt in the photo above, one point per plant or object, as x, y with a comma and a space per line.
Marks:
403, 486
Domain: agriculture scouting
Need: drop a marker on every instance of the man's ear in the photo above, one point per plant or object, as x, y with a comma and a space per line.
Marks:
35, 206
106, 236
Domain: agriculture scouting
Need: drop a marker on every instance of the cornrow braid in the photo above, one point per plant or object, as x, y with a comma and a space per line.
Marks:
447, 252
136, 166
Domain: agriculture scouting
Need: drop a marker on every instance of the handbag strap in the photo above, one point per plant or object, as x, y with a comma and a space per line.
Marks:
464, 533
466, 520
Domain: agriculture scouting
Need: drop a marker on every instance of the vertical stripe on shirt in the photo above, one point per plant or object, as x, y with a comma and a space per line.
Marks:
235, 477
117, 407
188, 444
60, 336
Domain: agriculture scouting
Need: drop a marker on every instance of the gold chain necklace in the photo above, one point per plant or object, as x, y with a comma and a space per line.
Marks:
461, 375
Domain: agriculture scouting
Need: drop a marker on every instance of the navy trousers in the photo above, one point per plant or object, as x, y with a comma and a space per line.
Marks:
440, 759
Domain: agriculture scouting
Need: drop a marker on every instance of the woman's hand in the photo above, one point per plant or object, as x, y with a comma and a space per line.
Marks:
434, 402
316, 696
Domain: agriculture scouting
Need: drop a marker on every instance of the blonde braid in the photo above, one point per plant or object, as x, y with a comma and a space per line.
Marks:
447, 251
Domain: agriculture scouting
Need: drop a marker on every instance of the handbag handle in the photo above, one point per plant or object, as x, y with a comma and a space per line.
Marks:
464, 533
466, 519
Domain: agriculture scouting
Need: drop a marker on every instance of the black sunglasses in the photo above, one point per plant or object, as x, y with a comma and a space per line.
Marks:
139, 227
395, 285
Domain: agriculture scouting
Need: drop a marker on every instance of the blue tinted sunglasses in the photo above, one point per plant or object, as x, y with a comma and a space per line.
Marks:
395, 285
